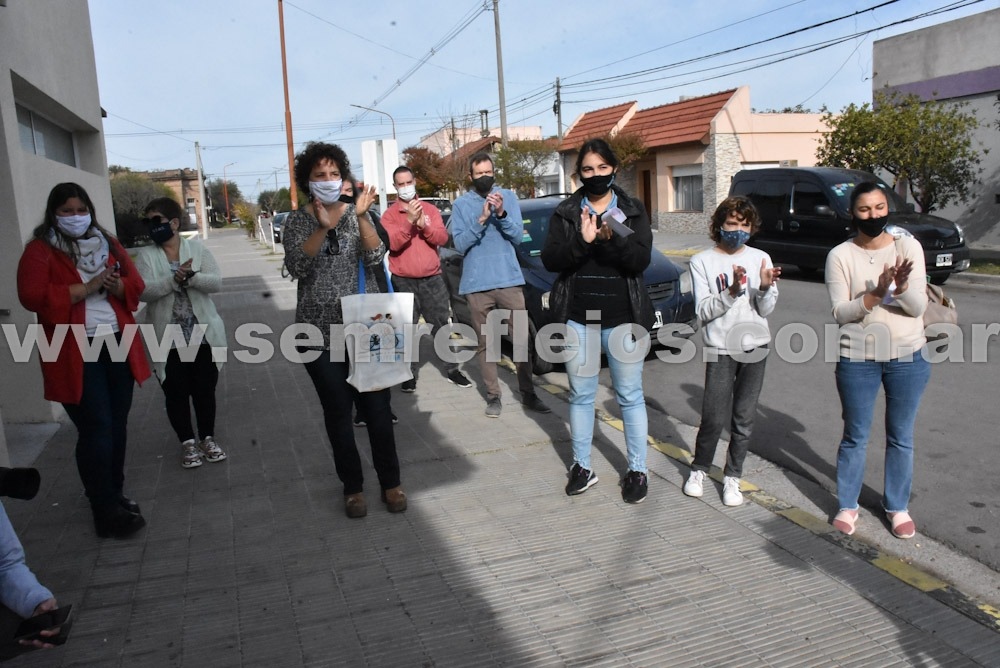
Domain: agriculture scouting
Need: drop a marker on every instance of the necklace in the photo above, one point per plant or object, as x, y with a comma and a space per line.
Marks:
871, 258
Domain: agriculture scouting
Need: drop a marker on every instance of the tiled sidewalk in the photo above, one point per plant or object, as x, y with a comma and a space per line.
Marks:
251, 562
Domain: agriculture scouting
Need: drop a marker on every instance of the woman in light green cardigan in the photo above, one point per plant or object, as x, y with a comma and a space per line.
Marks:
180, 274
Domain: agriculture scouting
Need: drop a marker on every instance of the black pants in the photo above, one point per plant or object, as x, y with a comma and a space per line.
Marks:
101, 420
190, 383
337, 396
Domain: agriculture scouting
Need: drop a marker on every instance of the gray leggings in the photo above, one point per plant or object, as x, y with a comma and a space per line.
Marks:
728, 383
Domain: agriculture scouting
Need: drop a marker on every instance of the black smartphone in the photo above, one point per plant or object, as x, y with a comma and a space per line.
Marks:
31, 628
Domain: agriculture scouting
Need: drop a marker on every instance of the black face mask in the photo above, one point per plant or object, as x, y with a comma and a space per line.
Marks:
598, 185
871, 227
161, 233
346, 199
483, 184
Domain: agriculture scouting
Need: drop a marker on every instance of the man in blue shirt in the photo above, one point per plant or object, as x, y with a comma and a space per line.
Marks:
486, 225
20, 590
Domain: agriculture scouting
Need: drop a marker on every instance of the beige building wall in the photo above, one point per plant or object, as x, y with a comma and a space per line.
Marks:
441, 141
47, 67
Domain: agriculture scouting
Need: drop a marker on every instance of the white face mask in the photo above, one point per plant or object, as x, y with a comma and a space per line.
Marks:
406, 193
74, 226
327, 192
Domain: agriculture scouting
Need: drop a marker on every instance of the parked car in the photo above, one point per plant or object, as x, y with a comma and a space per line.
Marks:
669, 286
443, 205
805, 212
277, 220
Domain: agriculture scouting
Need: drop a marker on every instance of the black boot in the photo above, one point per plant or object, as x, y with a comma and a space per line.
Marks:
116, 522
128, 504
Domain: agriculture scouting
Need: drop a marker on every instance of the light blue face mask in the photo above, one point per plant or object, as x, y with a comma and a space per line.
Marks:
733, 239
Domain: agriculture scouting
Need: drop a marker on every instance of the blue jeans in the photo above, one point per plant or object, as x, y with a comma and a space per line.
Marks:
101, 420
857, 384
337, 397
626, 377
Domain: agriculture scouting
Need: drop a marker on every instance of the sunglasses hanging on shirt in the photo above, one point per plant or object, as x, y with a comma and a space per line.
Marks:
332, 242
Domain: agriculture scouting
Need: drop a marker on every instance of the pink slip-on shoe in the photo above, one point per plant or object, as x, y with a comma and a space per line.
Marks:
845, 520
902, 524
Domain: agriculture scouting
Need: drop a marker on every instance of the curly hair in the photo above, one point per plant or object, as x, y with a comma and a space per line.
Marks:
312, 154
742, 207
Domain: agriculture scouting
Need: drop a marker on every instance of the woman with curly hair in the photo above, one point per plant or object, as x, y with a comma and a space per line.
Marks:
323, 245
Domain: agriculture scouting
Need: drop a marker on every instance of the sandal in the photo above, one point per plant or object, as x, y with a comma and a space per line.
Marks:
902, 524
845, 520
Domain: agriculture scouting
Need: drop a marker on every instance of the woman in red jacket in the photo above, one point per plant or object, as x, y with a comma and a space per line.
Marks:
75, 273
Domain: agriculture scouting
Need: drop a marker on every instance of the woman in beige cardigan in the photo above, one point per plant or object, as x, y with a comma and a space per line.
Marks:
877, 287
179, 275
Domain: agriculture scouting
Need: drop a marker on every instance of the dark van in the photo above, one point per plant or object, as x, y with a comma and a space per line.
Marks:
805, 213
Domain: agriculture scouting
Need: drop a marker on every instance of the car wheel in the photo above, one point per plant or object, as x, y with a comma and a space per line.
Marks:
939, 280
538, 366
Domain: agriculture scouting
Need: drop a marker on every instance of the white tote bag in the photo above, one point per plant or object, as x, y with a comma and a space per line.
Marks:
376, 329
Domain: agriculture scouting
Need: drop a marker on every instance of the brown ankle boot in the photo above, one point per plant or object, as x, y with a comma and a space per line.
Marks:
355, 505
394, 499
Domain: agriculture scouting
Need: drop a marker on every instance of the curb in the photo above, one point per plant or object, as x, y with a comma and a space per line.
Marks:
939, 590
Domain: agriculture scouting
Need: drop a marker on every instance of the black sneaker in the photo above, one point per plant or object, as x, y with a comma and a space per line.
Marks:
360, 421
458, 378
533, 403
409, 385
634, 487
580, 480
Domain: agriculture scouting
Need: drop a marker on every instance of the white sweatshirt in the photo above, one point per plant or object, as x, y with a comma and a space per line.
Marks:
719, 312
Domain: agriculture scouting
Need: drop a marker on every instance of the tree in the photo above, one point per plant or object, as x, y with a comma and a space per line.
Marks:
628, 146
926, 145
275, 200
218, 196
427, 168
522, 163
130, 193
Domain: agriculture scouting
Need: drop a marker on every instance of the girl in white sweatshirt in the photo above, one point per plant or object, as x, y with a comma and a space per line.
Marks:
735, 288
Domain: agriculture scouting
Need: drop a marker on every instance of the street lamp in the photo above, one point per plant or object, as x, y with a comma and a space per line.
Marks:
383, 113
225, 192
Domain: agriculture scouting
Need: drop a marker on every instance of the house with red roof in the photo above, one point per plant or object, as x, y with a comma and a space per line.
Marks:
693, 148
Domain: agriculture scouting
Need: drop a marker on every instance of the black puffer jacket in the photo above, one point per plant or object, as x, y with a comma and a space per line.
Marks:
565, 252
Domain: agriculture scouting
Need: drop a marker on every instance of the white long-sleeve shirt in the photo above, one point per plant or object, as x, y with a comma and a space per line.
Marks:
719, 313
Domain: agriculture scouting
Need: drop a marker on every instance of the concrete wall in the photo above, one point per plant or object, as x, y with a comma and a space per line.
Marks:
46, 65
958, 60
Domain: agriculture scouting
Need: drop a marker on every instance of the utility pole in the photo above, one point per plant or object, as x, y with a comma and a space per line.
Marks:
288, 111
503, 102
201, 192
454, 137
557, 107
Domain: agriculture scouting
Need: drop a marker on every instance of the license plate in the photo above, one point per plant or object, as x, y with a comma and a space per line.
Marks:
659, 320
943, 260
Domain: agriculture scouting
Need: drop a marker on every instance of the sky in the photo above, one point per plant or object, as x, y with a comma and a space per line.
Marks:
209, 71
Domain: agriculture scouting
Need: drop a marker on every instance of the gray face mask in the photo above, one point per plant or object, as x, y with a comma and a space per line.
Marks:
327, 192
74, 226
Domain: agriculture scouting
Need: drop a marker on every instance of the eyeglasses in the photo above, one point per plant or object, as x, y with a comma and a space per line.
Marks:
155, 220
332, 242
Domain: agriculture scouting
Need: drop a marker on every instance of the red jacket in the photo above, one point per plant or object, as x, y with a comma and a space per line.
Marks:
413, 253
44, 275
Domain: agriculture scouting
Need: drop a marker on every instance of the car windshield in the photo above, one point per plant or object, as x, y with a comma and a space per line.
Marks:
536, 226
843, 192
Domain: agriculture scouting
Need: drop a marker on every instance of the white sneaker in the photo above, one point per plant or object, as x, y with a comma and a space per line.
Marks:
693, 486
731, 494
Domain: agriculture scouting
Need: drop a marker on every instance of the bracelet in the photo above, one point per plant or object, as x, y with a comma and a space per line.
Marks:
368, 236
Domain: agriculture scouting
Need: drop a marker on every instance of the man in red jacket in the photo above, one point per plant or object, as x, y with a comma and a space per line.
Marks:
415, 232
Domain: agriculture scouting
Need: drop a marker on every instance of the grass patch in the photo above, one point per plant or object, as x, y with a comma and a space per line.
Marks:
985, 267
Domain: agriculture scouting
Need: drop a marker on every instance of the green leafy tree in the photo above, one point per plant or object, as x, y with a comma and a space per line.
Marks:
428, 169
217, 194
130, 193
275, 200
926, 145
247, 213
522, 163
